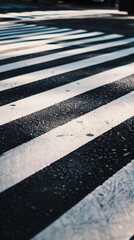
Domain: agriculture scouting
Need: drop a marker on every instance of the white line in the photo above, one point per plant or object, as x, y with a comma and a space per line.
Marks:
42, 74
32, 50
48, 98
83, 35
60, 14
17, 25
8, 24
54, 56
56, 46
55, 36
107, 213
13, 25
37, 35
38, 42
21, 30
24, 33
28, 158
102, 38
51, 37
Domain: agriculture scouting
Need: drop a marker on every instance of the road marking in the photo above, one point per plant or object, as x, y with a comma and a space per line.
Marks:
21, 162
14, 27
39, 15
8, 25
37, 42
42, 74
64, 38
34, 49
31, 50
51, 37
48, 98
33, 35
102, 38
63, 54
41, 35
24, 29
106, 213
28, 158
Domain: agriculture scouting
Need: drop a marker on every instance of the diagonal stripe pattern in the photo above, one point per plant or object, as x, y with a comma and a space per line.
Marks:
66, 126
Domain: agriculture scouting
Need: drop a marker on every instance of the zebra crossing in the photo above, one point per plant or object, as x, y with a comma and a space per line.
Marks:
70, 225
60, 14
66, 127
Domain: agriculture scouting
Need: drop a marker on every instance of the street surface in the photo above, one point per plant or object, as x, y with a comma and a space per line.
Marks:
66, 122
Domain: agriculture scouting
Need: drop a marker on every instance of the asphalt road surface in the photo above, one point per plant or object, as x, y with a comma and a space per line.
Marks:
66, 122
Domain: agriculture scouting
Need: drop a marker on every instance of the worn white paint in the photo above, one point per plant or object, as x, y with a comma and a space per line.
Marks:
15, 31
42, 74
24, 34
20, 27
63, 54
102, 38
107, 213
59, 14
35, 35
29, 105
7, 25
34, 49
47, 38
28, 158
31, 50
83, 35
53, 38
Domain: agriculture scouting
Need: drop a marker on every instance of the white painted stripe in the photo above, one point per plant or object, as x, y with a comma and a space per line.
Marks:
14, 31
56, 46
61, 14
13, 27
63, 54
38, 42
65, 12
63, 36
42, 74
8, 25
102, 38
35, 33
67, 37
24, 33
18, 27
28, 158
107, 213
31, 50
48, 98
